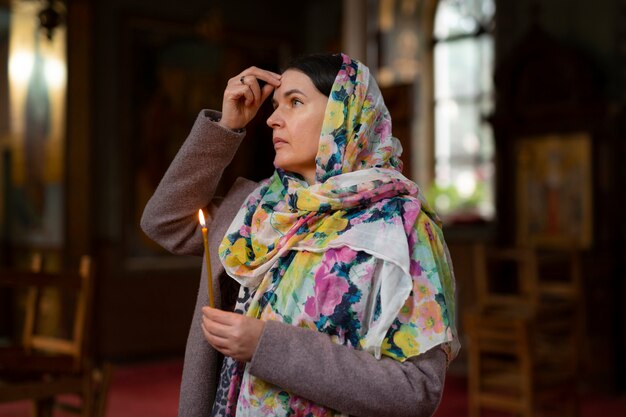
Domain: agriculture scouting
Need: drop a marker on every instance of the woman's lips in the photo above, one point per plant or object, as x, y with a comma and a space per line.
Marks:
278, 142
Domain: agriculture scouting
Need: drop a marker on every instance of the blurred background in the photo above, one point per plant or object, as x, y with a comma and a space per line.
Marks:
512, 116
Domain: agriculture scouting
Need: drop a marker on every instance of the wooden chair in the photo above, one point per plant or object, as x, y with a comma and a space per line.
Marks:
45, 366
523, 337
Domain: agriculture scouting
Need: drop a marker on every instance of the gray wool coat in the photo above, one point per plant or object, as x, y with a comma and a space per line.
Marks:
301, 361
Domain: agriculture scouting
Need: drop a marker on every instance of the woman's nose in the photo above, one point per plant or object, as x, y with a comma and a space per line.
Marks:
275, 120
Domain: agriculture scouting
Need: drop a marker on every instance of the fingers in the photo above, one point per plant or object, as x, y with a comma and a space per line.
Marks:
220, 316
216, 329
269, 77
217, 334
230, 333
210, 336
255, 98
251, 76
243, 96
266, 91
224, 327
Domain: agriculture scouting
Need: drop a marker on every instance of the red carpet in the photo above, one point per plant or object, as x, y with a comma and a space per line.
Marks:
454, 402
151, 390
141, 390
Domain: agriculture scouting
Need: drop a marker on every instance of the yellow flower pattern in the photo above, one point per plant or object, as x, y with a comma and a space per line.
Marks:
311, 255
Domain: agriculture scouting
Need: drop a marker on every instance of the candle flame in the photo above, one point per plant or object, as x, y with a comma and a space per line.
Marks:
201, 217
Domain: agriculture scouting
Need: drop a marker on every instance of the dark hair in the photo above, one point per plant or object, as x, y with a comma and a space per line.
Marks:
320, 68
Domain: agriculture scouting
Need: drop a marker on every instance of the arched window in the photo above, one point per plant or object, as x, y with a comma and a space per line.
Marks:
463, 60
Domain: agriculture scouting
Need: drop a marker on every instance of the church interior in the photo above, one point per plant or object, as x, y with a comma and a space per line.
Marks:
512, 119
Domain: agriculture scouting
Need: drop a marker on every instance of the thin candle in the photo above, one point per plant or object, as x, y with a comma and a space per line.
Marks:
205, 238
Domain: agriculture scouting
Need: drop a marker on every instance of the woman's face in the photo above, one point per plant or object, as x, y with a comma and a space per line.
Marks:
297, 123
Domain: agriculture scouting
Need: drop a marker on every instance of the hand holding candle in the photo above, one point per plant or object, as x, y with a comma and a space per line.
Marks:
207, 256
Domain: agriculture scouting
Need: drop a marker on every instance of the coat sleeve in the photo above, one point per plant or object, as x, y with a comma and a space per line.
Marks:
171, 216
309, 364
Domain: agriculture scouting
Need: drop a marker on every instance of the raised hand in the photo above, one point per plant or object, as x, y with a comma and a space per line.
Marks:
243, 96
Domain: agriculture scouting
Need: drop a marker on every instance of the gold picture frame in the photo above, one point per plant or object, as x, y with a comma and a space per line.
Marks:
554, 190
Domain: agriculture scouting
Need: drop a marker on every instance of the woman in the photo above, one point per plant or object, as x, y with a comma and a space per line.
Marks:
346, 304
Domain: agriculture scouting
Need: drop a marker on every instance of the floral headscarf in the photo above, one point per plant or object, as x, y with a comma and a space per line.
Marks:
357, 255
356, 133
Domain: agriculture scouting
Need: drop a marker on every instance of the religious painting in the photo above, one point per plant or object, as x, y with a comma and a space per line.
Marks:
554, 191
170, 72
32, 129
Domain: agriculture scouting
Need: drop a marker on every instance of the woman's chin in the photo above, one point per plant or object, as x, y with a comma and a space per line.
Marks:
280, 163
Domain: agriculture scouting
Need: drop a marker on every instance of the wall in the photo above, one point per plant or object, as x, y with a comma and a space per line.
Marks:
588, 26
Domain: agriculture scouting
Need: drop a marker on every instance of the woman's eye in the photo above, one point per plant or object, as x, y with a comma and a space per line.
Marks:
296, 101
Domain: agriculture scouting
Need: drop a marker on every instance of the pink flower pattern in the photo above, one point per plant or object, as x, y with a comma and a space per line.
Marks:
331, 288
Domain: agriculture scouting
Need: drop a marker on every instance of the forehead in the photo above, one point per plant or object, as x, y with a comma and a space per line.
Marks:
294, 79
